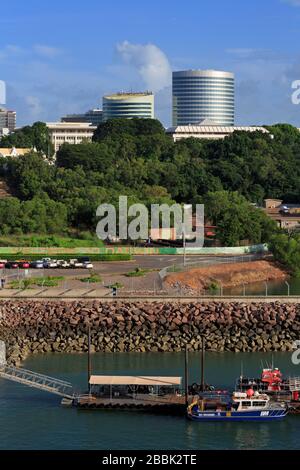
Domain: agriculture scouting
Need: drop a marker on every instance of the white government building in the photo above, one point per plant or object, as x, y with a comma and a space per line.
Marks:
207, 129
70, 133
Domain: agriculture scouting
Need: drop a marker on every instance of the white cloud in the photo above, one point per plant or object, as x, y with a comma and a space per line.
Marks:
263, 85
11, 51
46, 51
150, 61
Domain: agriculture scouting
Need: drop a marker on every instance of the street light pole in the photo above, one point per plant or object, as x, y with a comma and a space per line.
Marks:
184, 248
288, 286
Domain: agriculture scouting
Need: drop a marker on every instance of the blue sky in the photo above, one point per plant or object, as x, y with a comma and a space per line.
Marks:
61, 56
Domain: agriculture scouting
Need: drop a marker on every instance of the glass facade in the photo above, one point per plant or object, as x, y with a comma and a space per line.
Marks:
128, 106
93, 116
203, 94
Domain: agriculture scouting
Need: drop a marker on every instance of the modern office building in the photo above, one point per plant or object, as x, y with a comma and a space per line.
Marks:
70, 132
8, 120
203, 94
209, 130
128, 105
94, 116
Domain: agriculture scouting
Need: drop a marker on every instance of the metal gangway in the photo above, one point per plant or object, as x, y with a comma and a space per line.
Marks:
36, 380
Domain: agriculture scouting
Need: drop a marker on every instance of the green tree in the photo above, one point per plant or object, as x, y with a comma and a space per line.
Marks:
286, 250
36, 137
236, 219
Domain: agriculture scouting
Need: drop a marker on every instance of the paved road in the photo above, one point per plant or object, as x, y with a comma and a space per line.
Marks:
119, 267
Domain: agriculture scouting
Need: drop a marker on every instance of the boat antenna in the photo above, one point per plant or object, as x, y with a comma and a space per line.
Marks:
272, 361
202, 364
242, 374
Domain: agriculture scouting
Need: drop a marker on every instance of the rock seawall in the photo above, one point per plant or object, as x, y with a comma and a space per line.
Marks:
59, 326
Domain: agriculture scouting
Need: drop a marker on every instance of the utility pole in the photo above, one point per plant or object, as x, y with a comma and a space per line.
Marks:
184, 248
288, 286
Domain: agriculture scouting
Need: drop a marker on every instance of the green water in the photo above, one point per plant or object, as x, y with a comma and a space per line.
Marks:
30, 419
272, 288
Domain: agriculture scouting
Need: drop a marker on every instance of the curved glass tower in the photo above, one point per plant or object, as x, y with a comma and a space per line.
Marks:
203, 94
128, 105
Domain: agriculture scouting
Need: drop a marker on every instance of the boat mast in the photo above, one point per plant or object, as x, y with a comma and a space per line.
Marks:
186, 376
89, 359
242, 375
202, 364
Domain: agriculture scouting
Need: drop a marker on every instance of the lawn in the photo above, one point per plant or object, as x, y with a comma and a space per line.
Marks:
50, 241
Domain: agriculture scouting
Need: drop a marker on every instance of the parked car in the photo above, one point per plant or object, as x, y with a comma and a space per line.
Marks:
61, 263
74, 263
12, 265
24, 264
39, 264
3, 263
84, 259
49, 263
78, 265
88, 265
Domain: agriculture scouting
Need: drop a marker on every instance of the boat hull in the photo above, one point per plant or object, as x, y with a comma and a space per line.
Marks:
266, 415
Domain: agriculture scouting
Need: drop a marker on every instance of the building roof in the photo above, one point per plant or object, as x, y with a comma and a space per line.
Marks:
13, 152
203, 73
124, 96
71, 125
213, 129
133, 380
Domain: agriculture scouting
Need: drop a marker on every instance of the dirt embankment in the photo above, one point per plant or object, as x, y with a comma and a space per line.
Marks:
228, 275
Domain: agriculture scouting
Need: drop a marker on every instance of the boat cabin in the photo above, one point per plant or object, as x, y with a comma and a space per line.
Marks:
244, 401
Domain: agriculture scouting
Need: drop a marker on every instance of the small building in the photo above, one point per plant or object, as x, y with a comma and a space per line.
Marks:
93, 116
8, 120
287, 216
163, 234
4, 131
209, 130
13, 152
70, 133
128, 106
117, 385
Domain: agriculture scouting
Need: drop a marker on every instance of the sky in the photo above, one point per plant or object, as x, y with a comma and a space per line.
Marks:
62, 56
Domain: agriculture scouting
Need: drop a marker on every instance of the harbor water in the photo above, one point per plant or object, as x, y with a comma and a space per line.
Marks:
276, 287
32, 419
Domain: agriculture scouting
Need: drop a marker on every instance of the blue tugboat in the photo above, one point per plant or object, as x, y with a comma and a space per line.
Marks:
242, 406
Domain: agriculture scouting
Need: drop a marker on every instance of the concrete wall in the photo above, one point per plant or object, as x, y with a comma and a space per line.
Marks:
240, 250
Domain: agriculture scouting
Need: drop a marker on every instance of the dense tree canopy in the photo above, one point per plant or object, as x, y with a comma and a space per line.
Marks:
236, 219
286, 250
35, 136
136, 158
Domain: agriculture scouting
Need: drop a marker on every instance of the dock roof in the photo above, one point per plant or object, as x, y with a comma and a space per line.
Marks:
133, 380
